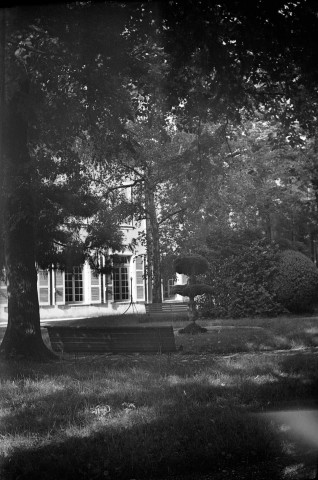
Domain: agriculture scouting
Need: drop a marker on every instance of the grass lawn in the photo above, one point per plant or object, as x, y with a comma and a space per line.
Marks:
154, 416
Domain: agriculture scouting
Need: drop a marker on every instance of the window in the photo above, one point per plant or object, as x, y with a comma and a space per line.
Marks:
121, 279
74, 285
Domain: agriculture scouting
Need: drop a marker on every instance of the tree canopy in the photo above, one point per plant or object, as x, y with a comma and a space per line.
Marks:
88, 92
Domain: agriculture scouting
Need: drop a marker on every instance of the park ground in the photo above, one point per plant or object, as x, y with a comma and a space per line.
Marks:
237, 402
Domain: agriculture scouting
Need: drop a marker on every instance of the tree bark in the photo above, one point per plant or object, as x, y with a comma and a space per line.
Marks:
153, 245
2, 103
22, 338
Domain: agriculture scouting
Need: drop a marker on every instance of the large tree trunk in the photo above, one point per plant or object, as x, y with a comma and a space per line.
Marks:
2, 103
23, 334
153, 245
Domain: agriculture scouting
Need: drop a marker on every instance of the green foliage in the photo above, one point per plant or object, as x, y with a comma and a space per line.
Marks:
71, 256
251, 277
191, 264
242, 282
296, 284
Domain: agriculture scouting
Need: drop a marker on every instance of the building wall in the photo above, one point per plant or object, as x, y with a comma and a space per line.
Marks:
63, 294
83, 293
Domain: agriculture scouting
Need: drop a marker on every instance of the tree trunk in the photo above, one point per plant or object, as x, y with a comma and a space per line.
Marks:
153, 245
2, 103
23, 334
149, 267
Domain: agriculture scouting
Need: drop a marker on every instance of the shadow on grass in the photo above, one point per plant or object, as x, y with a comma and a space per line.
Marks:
176, 424
180, 440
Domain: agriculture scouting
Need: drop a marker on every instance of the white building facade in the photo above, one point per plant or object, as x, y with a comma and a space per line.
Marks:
82, 292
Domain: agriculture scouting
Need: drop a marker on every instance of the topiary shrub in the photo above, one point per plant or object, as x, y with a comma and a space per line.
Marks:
242, 282
192, 265
296, 283
197, 289
192, 290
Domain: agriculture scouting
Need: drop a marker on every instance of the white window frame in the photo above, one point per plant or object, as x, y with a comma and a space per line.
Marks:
73, 274
118, 294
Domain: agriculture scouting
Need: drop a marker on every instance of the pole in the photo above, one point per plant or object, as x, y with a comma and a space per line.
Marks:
131, 295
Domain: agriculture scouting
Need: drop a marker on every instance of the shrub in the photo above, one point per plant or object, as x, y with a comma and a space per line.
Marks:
192, 290
296, 284
191, 264
242, 282
197, 289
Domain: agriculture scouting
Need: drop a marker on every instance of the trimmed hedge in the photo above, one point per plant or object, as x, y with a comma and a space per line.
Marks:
242, 282
192, 290
260, 280
191, 264
296, 284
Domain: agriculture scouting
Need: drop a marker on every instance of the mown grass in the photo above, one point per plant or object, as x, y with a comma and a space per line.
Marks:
151, 416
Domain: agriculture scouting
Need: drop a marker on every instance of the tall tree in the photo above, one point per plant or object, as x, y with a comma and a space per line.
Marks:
23, 332
263, 183
51, 103
154, 180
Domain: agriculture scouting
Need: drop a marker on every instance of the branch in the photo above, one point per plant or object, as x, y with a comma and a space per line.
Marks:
132, 169
111, 189
235, 153
169, 215
59, 243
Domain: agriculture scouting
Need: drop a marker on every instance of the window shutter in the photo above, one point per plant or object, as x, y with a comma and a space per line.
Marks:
44, 287
3, 293
59, 287
95, 287
140, 286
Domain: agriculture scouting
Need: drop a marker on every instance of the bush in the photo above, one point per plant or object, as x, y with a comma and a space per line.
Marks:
296, 284
242, 282
192, 290
191, 264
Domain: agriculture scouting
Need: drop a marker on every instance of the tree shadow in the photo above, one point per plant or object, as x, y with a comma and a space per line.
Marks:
184, 438
186, 426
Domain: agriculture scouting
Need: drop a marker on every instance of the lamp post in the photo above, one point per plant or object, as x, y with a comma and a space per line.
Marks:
131, 295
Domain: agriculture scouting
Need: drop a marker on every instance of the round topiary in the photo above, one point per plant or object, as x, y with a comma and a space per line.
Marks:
192, 290
197, 289
191, 264
296, 285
